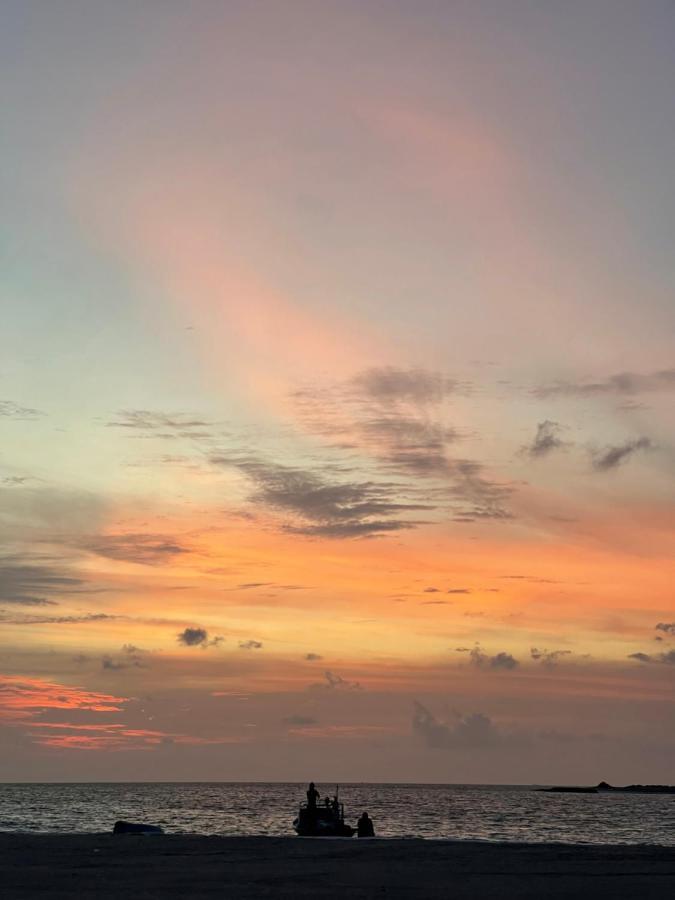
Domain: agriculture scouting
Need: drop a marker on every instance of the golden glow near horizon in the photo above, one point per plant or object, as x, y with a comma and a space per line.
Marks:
336, 394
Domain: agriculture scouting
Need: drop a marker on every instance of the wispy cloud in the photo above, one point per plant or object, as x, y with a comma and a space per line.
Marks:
667, 658
546, 440
611, 457
162, 424
622, 383
143, 549
11, 410
32, 580
481, 660
323, 507
334, 682
391, 385
35, 619
548, 658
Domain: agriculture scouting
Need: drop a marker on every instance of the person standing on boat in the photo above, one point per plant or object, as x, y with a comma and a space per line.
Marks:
312, 796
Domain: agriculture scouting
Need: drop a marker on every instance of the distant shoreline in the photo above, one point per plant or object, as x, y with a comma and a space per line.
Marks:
107, 867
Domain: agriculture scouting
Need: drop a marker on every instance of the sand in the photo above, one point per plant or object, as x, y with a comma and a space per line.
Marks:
126, 867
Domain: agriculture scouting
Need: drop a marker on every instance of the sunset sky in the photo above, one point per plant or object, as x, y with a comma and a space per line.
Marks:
337, 369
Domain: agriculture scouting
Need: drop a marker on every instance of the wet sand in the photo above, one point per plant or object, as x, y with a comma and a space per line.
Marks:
192, 866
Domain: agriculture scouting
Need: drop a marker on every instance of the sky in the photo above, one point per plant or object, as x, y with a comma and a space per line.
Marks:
337, 370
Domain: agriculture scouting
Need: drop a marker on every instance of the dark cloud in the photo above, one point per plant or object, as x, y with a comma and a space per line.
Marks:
143, 549
300, 720
193, 637
335, 682
458, 591
667, 658
11, 410
133, 658
322, 507
474, 731
312, 657
501, 661
545, 440
432, 590
389, 385
611, 457
620, 384
250, 645
666, 627
433, 603
27, 601
548, 658
395, 415
33, 580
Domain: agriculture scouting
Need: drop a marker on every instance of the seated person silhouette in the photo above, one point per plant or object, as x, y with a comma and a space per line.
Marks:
312, 796
364, 827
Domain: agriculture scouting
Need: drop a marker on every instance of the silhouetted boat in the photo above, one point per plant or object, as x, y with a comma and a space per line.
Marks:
323, 820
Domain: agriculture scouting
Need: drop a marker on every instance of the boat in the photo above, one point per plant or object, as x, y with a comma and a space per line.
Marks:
325, 819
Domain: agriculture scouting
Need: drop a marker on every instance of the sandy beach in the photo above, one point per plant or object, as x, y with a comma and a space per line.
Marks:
107, 866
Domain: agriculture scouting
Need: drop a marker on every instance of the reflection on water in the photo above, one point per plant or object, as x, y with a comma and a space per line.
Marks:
432, 811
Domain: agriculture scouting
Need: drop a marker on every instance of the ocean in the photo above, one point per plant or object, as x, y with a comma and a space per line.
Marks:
453, 812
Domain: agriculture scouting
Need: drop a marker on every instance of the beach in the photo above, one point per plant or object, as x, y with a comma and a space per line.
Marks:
193, 866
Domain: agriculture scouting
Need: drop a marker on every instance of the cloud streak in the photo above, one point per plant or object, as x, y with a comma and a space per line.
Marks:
621, 384
614, 456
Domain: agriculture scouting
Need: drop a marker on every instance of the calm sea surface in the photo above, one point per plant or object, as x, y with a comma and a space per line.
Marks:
457, 812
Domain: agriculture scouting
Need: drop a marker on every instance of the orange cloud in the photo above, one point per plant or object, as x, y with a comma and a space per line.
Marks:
22, 698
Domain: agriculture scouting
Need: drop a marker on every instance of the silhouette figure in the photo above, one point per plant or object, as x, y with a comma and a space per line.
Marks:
364, 827
312, 796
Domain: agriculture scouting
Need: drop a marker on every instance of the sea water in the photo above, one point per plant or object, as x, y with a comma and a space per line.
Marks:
454, 812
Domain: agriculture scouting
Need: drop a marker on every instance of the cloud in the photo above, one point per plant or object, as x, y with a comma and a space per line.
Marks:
335, 682
620, 384
133, 659
545, 440
666, 627
390, 385
193, 637
252, 585
474, 731
431, 590
25, 580
500, 661
142, 549
11, 410
611, 457
312, 657
162, 424
250, 645
22, 698
300, 720
458, 591
31, 619
548, 658
395, 416
321, 507
667, 658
